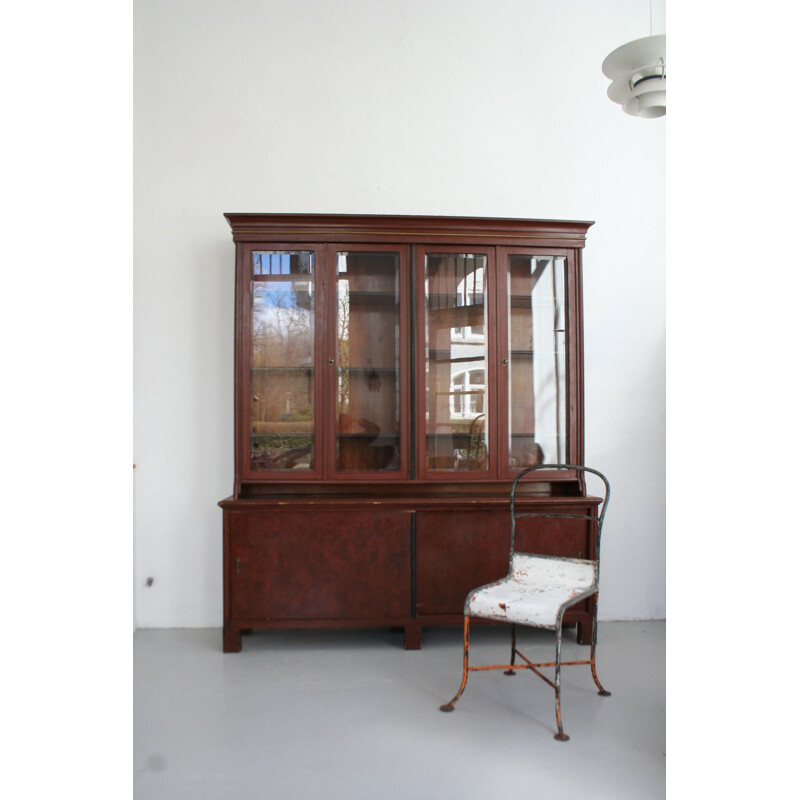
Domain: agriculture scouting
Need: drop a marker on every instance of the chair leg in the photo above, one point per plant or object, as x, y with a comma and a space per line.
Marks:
513, 650
601, 691
560, 736
449, 706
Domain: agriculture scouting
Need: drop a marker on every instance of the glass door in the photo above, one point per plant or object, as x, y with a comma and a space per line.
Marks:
454, 381
282, 385
370, 403
536, 360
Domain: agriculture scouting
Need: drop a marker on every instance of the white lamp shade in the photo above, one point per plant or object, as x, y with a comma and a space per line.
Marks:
638, 71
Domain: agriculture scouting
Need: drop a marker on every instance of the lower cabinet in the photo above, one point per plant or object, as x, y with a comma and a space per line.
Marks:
293, 568
325, 567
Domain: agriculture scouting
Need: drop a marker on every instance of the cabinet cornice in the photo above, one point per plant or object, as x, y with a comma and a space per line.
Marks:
345, 227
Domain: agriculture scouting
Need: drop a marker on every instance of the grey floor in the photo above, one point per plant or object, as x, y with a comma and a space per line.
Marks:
350, 714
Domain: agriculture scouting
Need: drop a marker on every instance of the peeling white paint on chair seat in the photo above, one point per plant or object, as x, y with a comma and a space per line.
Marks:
534, 592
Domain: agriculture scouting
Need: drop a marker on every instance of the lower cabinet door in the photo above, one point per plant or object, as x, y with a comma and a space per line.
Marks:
320, 565
456, 553
460, 551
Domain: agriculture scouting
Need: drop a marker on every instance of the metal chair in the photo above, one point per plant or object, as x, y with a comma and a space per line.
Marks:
536, 592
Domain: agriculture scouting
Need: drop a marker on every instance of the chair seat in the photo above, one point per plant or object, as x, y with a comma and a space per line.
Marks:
535, 592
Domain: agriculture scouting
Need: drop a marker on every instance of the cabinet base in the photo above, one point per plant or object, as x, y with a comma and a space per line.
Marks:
412, 637
231, 640
584, 633
412, 633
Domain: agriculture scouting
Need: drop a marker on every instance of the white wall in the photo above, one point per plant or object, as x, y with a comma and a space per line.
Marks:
452, 107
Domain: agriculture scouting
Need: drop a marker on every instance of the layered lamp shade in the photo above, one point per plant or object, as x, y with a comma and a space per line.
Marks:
638, 73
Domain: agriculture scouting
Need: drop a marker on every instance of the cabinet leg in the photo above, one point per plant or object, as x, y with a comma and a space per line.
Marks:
412, 639
584, 633
231, 640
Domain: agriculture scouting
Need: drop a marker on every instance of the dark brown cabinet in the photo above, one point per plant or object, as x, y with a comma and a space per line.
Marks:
285, 559
392, 375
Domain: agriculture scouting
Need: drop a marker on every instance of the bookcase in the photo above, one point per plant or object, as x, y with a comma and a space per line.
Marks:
392, 375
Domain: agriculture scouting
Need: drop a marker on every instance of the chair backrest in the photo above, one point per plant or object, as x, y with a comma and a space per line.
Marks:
598, 518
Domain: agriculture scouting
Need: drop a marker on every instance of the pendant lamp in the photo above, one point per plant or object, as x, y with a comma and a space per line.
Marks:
638, 73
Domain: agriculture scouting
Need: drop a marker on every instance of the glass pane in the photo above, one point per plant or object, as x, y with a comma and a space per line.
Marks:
282, 361
455, 362
367, 362
537, 393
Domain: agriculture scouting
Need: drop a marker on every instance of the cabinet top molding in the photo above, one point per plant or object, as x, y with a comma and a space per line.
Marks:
374, 227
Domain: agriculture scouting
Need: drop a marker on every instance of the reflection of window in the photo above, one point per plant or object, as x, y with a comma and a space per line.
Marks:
466, 393
456, 390
471, 335
469, 292
281, 262
470, 288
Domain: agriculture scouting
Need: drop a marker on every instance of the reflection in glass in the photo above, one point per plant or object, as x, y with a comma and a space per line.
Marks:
367, 362
537, 373
282, 361
455, 362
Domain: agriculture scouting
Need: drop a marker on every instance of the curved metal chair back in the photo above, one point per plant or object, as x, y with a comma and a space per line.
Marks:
598, 518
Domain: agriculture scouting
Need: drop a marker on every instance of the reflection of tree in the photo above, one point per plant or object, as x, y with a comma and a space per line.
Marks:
283, 342
343, 343
282, 331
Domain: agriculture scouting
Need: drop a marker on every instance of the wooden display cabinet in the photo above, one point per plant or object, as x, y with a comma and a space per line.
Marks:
392, 375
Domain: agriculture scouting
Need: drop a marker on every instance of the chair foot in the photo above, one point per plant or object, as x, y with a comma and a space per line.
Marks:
510, 672
600, 688
561, 737
447, 707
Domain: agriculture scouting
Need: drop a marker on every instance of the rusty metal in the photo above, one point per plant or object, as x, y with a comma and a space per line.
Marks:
518, 574
467, 669
510, 670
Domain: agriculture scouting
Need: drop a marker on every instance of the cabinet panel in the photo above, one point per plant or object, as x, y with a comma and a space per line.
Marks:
456, 553
571, 538
460, 551
292, 565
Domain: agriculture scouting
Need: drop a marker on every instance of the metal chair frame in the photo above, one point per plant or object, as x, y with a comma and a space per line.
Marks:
593, 590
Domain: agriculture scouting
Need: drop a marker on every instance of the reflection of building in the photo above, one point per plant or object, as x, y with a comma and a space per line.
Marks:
537, 365
466, 393
456, 365
536, 356
467, 372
